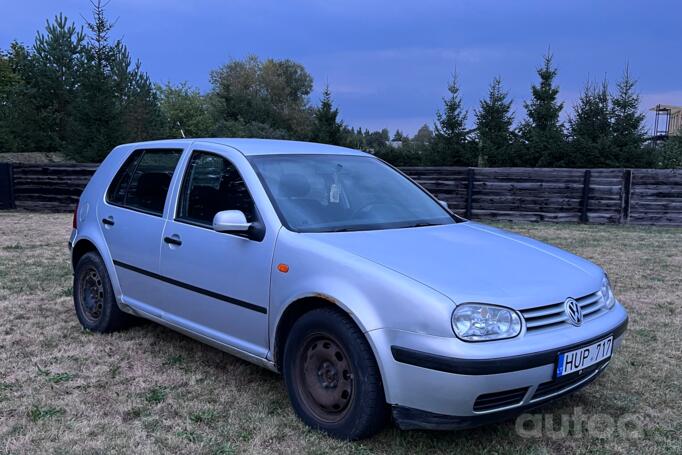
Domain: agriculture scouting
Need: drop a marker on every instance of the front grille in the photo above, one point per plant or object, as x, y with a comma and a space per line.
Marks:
552, 316
559, 385
497, 400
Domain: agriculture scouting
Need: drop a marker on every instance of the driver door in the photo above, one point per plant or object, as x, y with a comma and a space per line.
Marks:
217, 283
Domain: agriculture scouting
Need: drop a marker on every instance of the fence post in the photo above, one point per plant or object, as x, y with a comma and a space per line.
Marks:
470, 191
625, 196
7, 186
586, 196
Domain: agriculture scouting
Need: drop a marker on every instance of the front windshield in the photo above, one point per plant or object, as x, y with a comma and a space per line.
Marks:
333, 193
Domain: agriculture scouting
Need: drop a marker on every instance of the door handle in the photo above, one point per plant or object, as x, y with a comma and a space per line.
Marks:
108, 221
172, 241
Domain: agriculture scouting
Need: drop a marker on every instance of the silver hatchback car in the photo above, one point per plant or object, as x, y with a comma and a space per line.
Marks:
333, 268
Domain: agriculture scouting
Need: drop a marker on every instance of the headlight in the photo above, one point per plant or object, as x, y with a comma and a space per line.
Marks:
607, 293
476, 322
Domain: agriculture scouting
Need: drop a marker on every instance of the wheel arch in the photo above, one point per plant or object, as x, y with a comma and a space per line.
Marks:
85, 243
302, 305
297, 308
80, 248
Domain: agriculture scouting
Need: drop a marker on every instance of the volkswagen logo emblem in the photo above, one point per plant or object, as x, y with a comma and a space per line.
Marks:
573, 312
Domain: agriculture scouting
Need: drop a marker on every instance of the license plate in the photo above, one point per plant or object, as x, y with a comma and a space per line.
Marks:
578, 359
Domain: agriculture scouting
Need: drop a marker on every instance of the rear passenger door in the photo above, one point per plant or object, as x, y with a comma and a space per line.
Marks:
217, 284
132, 221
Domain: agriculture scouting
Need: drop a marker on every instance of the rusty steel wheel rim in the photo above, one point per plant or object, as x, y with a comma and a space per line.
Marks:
91, 294
324, 377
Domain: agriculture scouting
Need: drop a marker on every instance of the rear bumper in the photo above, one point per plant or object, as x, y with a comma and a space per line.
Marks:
72, 239
429, 386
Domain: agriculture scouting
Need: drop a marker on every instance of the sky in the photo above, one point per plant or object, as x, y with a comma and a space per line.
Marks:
388, 62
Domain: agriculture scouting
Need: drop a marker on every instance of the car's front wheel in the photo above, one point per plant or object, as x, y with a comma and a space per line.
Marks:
332, 377
94, 298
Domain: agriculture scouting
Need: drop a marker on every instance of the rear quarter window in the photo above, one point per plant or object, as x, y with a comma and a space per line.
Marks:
144, 178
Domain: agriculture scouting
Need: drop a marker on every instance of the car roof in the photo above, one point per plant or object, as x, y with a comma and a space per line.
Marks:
252, 147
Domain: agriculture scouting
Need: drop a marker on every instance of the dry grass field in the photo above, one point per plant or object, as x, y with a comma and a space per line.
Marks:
150, 390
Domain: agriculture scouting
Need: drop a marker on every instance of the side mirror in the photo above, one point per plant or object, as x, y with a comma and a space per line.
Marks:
444, 204
230, 221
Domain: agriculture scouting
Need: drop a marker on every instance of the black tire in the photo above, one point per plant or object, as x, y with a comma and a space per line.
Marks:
94, 298
332, 377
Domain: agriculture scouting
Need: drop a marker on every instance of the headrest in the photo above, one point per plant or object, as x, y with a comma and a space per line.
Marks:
153, 184
294, 185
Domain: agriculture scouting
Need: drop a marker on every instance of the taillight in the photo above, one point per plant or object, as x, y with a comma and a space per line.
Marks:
75, 216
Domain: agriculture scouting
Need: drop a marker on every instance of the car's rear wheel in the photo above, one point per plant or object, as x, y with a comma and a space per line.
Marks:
94, 298
332, 377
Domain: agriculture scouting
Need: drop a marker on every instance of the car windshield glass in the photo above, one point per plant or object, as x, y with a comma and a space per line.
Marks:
333, 193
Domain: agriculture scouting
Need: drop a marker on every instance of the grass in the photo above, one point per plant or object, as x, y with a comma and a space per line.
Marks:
151, 390
37, 413
155, 395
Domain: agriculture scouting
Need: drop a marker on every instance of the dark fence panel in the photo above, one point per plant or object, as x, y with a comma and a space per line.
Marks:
638, 196
6, 186
50, 187
656, 197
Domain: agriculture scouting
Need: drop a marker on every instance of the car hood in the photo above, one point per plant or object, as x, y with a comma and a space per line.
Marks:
471, 262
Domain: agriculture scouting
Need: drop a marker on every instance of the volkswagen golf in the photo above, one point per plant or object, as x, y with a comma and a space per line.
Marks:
323, 263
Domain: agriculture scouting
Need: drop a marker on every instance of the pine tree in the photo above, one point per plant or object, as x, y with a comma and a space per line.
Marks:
590, 133
326, 128
141, 112
494, 120
399, 136
12, 86
424, 135
451, 145
116, 101
97, 121
542, 130
41, 103
627, 123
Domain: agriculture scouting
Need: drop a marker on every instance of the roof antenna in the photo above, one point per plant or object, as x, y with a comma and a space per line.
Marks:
182, 132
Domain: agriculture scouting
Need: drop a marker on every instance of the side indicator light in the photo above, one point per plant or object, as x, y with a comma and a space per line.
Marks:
283, 268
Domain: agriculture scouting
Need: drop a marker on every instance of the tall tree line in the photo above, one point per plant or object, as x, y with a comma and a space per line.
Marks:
77, 91
605, 129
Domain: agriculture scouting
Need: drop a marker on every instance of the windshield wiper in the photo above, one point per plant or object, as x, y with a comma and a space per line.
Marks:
422, 224
346, 229
364, 228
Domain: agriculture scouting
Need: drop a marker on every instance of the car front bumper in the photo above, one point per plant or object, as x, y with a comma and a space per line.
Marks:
430, 388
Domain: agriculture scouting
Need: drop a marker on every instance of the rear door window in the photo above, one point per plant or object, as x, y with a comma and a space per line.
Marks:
142, 182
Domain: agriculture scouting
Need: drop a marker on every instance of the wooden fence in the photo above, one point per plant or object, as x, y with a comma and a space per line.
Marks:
638, 196
50, 187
